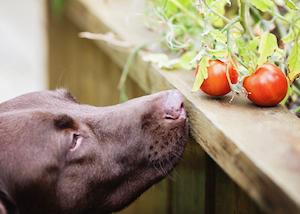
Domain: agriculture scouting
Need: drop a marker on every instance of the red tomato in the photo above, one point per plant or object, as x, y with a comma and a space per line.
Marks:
267, 86
216, 83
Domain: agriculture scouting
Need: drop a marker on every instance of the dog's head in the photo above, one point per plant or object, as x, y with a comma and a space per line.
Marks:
59, 156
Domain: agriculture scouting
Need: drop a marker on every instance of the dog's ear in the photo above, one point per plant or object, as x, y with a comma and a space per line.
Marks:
7, 206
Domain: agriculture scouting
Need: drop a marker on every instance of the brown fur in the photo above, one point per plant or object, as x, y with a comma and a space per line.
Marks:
124, 150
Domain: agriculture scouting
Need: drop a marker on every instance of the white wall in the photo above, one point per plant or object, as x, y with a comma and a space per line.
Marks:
22, 47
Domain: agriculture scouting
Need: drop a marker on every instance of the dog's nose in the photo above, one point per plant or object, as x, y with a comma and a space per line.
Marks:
174, 107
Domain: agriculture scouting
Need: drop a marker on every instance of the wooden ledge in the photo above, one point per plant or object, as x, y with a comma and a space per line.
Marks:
259, 148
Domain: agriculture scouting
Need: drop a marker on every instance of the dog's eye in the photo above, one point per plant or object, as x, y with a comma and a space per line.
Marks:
76, 142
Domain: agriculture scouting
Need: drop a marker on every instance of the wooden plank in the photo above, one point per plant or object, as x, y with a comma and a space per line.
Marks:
258, 147
154, 201
229, 198
223, 195
81, 67
210, 185
188, 183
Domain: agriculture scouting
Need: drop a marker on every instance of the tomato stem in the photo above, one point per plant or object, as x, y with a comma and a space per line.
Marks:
186, 11
231, 23
217, 13
297, 109
245, 16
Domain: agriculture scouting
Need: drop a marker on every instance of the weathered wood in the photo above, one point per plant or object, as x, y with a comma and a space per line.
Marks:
155, 200
229, 198
81, 67
258, 147
188, 183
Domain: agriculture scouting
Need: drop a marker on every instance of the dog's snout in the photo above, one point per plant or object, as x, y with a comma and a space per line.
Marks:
173, 106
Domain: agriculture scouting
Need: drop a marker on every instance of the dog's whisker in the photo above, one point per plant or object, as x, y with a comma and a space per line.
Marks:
161, 168
157, 169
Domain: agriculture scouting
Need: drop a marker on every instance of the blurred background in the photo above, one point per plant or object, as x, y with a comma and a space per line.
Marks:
23, 47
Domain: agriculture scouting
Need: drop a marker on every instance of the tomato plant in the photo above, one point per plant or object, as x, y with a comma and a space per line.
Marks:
250, 33
216, 83
267, 86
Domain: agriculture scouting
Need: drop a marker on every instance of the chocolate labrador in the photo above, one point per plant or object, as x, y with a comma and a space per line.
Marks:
60, 156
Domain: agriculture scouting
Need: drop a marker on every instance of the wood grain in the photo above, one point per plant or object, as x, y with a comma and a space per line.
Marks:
259, 148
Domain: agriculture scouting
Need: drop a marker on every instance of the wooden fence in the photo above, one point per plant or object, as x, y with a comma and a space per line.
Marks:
91, 71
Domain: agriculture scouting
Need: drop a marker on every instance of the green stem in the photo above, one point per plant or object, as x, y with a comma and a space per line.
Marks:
245, 17
297, 109
186, 11
229, 48
281, 17
281, 28
278, 15
125, 71
217, 13
224, 18
296, 88
240, 61
230, 24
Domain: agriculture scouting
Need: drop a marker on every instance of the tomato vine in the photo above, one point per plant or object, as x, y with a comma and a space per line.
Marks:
248, 33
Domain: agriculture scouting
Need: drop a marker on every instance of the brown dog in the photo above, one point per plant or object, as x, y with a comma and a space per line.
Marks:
59, 156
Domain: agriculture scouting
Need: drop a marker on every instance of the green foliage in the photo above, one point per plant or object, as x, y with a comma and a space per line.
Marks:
291, 4
267, 46
263, 5
247, 50
251, 33
215, 8
201, 73
294, 62
57, 6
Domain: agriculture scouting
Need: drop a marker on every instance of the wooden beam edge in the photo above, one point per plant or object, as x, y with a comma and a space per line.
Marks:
265, 192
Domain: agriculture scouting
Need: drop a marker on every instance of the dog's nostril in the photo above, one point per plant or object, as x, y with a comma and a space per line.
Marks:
170, 117
182, 106
173, 113
174, 107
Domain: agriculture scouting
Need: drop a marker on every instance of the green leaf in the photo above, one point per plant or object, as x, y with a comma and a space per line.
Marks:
163, 61
219, 53
267, 46
185, 60
219, 7
156, 58
202, 73
278, 55
294, 62
263, 5
58, 6
289, 37
291, 4
247, 51
218, 36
